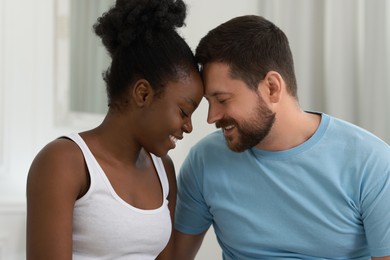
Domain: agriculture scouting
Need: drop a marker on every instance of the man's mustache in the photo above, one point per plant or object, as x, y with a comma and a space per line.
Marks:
225, 122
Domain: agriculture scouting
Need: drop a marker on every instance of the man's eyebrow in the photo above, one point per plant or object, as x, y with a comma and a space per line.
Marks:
214, 94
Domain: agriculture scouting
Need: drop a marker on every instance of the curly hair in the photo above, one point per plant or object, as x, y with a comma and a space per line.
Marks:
142, 39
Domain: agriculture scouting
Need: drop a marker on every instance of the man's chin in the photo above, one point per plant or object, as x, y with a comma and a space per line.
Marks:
234, 146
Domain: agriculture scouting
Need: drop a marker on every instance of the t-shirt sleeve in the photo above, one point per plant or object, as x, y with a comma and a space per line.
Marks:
376, 216
192, 212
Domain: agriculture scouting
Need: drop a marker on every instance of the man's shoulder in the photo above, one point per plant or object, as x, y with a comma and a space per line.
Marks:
214, 139
212, 144
358, 134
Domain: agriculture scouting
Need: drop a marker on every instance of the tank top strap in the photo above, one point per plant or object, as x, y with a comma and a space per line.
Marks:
159, 165
88, 156
93, 164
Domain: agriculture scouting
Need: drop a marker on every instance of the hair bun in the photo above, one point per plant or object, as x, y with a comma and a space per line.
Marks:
129, 20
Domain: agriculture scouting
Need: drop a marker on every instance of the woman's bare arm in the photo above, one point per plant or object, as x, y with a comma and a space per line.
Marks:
57, 177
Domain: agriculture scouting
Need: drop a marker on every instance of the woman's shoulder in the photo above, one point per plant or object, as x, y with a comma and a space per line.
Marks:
59, 153
58, 162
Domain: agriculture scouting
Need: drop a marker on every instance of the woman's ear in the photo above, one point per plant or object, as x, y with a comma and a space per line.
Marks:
142, 93
273, 85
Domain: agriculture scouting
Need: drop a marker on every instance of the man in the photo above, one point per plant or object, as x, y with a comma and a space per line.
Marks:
277, 182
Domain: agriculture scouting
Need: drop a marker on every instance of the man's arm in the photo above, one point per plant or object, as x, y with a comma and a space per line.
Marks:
187, 246
381, 258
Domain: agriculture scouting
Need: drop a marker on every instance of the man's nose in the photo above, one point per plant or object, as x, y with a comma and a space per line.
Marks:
214, 114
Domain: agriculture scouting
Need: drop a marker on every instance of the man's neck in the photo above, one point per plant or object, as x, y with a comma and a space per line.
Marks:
291, 129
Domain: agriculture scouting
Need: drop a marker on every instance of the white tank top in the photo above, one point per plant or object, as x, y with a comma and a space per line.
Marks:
107, 227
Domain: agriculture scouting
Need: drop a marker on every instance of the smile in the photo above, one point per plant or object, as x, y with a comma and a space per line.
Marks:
173, 139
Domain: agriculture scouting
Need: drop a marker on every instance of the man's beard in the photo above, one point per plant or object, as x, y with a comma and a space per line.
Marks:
250, 131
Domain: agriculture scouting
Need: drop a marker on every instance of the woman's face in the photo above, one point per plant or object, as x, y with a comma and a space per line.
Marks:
169, 116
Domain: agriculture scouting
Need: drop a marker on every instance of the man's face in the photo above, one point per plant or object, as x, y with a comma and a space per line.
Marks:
238, 110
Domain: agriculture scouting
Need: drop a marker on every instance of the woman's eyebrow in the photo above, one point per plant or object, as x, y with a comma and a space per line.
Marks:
192, 102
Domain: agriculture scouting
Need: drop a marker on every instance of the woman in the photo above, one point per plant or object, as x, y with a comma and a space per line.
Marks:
109, 193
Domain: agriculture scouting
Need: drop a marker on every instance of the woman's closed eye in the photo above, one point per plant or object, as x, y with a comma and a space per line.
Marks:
183, 113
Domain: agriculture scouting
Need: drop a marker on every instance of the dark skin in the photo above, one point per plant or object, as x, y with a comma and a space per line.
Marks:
59, 191
58, 175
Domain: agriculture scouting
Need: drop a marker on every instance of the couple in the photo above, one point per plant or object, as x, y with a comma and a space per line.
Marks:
275, 181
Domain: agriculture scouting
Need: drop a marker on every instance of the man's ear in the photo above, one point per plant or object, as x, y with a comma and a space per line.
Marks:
273, 85
142, 93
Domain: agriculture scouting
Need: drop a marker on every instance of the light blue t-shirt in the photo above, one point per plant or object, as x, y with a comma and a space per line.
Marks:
328, 198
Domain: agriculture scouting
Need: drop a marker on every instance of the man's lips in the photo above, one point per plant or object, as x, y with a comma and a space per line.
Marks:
229, 127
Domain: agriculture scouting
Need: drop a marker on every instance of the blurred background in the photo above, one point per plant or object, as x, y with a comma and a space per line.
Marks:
51, 84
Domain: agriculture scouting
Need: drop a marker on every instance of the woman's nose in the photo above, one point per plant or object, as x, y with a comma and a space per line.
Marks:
187, 127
